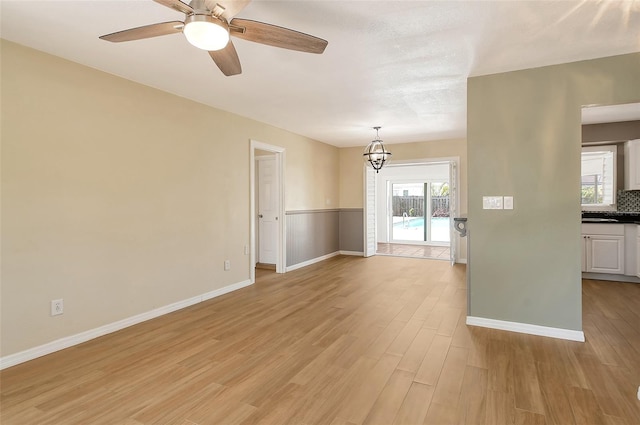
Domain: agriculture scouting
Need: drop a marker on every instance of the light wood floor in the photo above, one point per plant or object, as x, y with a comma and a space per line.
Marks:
417, 251
346, 341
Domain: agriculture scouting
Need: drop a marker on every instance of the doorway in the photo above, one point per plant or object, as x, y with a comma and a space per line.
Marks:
410, 208
267, 240
418, 212
267, 195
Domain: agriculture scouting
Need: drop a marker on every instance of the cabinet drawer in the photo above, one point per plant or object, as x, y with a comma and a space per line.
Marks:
603, 229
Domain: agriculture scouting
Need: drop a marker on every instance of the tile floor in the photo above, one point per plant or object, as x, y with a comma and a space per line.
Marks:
419, 251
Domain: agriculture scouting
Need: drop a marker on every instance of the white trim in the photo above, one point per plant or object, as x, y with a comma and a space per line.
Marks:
369, 232
70, 341
461, 261
354, 253
312, 261
282, 230
422, 161
526, 328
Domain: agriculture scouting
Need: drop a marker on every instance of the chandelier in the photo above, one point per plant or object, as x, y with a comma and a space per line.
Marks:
376, 153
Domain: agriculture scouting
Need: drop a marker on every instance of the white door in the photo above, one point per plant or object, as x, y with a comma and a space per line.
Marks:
267, 210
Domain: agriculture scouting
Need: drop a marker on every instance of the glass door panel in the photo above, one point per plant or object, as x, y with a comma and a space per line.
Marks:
440, 216
408, 212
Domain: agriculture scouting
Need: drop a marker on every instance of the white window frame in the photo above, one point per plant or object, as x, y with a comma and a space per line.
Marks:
603, 206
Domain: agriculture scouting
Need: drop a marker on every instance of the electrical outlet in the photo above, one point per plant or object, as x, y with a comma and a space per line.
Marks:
57, 307
227, 265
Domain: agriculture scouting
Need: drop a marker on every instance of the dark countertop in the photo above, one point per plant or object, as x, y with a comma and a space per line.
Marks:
610, 217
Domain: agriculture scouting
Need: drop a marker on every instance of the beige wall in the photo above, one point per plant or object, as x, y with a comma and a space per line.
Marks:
351, 178
524, 137
312, 175
120, 198
351, 163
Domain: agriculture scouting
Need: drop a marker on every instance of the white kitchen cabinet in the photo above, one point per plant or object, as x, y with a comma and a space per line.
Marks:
630, 249
584, 253
632, 165
603, 248
638, 251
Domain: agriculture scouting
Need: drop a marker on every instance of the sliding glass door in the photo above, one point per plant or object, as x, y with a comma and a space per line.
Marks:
419, 212
440, 215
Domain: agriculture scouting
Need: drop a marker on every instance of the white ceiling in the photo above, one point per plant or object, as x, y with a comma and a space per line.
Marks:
398, 64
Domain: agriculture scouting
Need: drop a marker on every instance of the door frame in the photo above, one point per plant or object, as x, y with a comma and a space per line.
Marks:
371, 217
280, 156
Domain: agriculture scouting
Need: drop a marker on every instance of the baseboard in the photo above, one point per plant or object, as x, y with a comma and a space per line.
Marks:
225, 290
461, 261
354, 253
70, 341
525, 328
611, 277
312, 261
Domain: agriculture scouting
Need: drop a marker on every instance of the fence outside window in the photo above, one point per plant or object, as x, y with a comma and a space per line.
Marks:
413, 206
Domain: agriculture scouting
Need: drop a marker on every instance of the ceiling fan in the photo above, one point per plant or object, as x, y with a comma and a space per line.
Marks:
208, 25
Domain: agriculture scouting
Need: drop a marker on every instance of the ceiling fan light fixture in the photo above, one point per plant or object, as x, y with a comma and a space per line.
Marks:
206, 32
375, 153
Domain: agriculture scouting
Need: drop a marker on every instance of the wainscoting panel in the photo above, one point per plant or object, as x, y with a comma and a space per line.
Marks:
351, 230
312, 234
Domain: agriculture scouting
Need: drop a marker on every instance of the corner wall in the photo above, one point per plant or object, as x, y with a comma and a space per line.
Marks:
524, 140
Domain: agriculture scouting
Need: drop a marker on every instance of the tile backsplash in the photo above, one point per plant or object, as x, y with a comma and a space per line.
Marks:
629, 200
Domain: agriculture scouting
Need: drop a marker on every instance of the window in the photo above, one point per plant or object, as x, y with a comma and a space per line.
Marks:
598, 178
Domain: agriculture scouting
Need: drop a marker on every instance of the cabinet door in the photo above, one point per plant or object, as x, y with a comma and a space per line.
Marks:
605, 254
632, 165
638, 256
584, 252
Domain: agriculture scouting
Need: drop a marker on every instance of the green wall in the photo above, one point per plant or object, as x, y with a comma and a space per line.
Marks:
523, 139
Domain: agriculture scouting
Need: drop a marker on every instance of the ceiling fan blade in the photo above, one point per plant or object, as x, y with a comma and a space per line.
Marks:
176, 5
227, 60
231, 7
273, 35
148, 31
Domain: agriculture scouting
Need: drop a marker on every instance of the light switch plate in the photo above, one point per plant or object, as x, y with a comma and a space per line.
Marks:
486, 204
508, 202
492, 202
